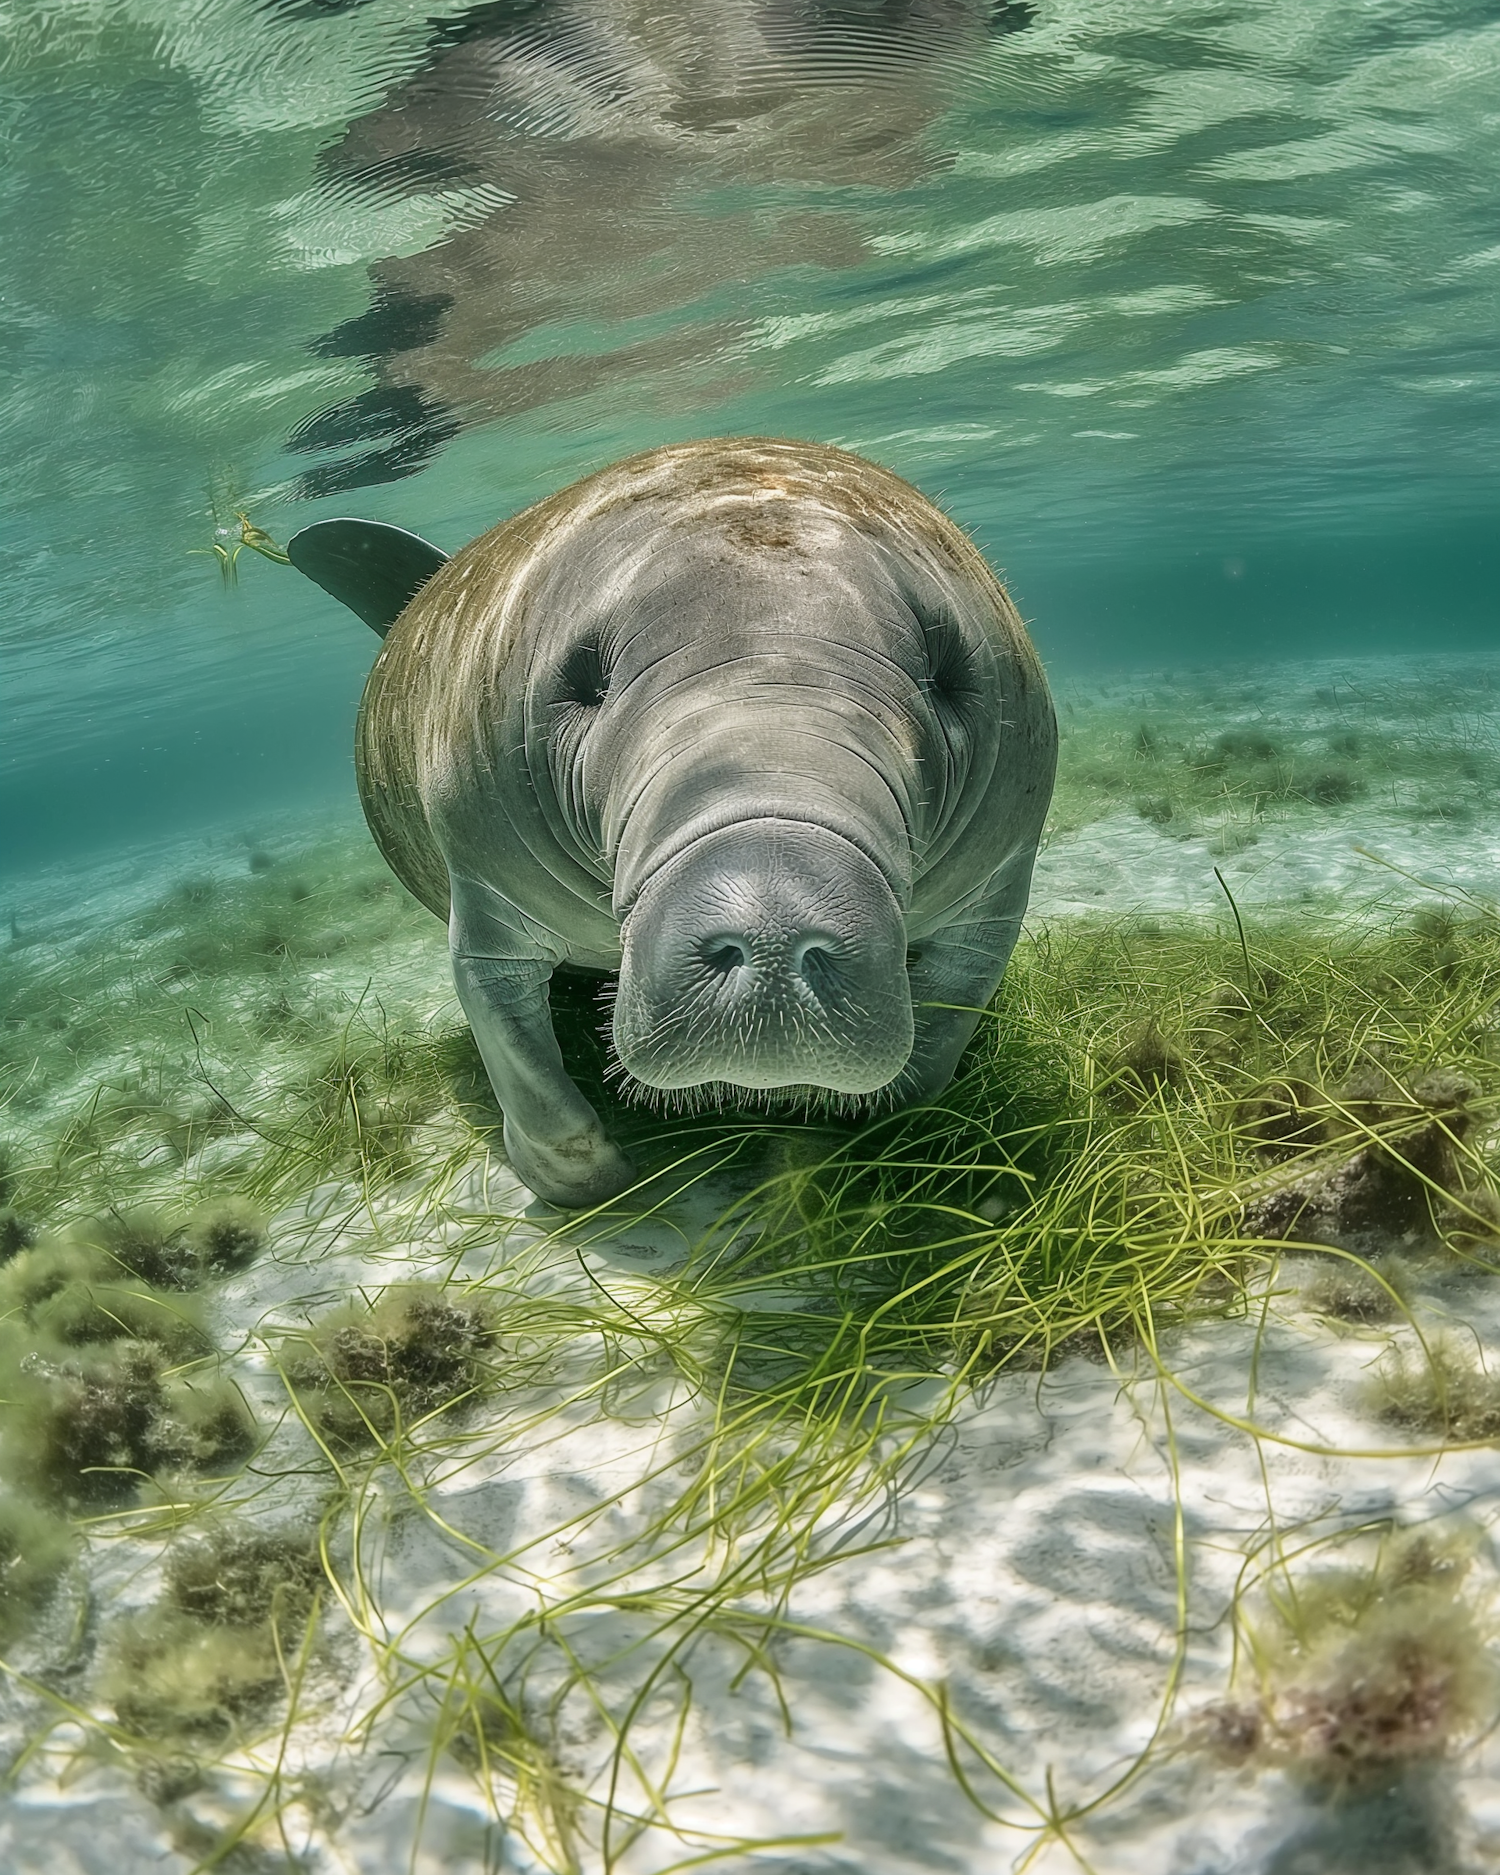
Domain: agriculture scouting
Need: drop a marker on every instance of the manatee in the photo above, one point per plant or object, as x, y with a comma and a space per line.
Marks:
746, 723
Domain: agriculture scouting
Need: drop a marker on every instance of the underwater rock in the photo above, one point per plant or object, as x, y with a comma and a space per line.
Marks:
84, 1311
1387, 1191
1241, 745
168, 1676
237, 1575
168, 1780
1331, 788
1284, 1116
68, 1290
1472, 1220
235, 1606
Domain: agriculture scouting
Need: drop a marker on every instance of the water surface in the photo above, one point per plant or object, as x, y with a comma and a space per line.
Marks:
1186, 309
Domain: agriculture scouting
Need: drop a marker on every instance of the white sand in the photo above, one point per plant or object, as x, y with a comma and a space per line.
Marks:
1026, 1565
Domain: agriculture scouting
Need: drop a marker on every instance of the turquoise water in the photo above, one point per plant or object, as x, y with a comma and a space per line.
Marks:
1187, 310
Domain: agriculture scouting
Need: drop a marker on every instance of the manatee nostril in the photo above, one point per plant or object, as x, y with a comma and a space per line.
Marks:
724, 954
817, 968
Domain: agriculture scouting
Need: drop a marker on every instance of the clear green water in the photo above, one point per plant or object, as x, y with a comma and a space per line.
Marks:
1187, 309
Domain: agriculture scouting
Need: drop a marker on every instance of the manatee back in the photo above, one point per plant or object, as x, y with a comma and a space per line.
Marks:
437, 691
394, 812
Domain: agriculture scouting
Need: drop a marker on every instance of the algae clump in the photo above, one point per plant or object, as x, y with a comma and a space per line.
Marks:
365, 1374
35, 1549
87, 1428
1442, 1393
217, 1650
227, 1237
1364, 1672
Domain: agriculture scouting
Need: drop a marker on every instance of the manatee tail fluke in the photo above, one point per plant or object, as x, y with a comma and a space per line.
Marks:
374, 569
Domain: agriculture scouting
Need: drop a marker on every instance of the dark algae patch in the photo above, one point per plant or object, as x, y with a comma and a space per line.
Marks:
365, 1374
219, 1649
1365, 1668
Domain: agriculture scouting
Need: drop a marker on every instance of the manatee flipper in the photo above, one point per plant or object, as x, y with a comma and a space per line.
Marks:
374, 569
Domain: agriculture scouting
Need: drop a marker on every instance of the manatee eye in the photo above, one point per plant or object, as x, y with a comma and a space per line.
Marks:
582, 680
950, 668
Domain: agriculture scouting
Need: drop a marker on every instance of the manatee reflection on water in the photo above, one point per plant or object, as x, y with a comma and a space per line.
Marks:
584, 132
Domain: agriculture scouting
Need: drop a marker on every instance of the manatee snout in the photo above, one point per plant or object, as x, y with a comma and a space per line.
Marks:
768, 954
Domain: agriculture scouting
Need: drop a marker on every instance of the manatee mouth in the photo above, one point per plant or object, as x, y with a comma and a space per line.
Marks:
771, 954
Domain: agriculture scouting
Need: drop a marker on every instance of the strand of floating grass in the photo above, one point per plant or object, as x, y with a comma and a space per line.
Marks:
1262, 1463
1441, 891
535, 1787
203, 1074
1240, 927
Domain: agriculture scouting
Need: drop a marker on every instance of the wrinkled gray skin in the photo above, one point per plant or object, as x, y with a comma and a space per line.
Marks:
748, 722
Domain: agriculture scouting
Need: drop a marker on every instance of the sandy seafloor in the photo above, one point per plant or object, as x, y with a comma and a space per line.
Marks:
1027, 1563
